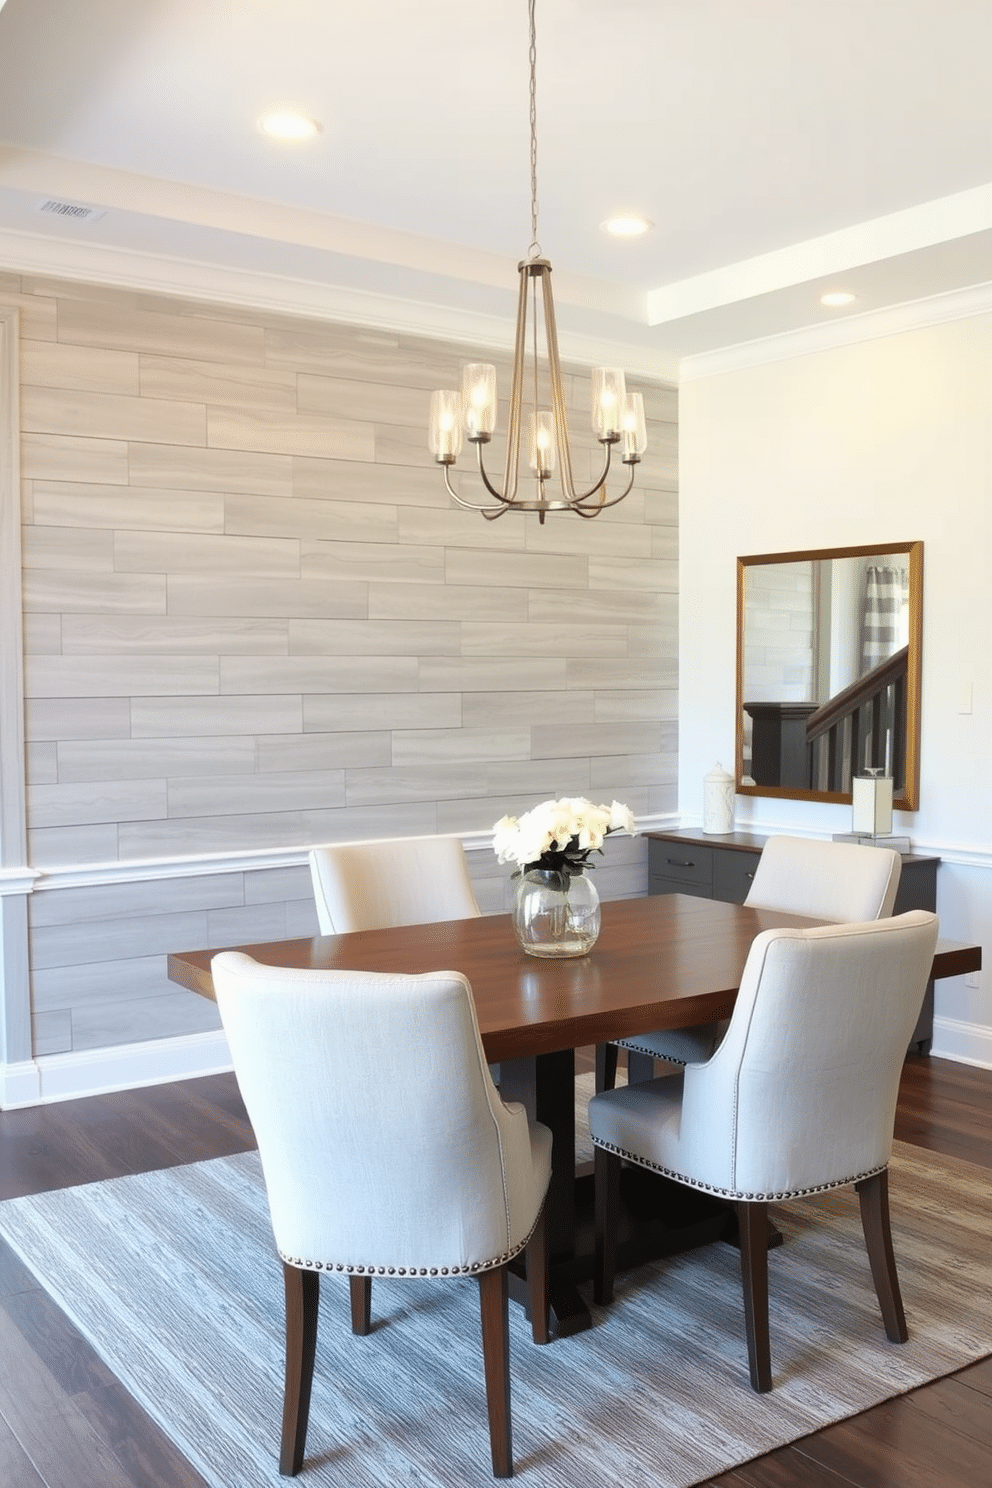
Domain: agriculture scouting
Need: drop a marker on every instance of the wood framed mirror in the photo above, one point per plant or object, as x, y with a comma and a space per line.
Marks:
829, 671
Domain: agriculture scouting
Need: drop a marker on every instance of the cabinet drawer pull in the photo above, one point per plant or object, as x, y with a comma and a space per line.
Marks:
680, 863
750, 874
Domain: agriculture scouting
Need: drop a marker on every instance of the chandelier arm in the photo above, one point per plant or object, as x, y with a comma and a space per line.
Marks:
505, 501
470, 505
602, 505
597, 485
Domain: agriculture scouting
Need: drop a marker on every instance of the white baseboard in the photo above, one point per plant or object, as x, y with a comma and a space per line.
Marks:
20, 1085
967, 1043
59, 1077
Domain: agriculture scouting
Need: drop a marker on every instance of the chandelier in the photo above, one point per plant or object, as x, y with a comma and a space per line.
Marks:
617, 416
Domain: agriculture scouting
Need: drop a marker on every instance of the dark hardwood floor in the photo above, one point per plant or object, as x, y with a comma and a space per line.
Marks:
66, 1422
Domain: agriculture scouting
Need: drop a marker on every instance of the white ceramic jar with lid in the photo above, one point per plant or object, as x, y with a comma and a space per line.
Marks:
718, 802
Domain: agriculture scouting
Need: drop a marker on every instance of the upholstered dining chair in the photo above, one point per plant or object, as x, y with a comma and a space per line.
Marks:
374, 885
800, 1096
406, 881
796, 875
424, 1173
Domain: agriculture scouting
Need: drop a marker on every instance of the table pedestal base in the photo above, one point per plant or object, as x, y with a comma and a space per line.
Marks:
657, 1218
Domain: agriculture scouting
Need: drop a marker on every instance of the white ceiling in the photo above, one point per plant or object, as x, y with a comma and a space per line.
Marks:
780, 146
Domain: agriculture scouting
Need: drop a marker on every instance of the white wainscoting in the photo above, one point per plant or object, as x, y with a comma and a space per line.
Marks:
67, 1076
57, 1076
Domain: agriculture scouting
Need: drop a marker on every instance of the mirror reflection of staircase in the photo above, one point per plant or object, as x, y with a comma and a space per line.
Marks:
820, 746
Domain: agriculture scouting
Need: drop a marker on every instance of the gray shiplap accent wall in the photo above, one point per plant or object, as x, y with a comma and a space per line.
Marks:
254, 621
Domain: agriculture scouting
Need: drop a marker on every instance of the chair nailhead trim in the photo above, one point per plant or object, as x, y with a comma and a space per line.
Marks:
634, 1047
732, 1193
471, 1270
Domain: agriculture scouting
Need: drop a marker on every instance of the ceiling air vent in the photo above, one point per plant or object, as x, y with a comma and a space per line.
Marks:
70, 211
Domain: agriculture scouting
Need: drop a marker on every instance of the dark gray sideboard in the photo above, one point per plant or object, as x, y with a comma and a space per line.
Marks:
722, 867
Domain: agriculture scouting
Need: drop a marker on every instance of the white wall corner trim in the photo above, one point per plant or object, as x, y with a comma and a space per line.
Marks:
15, 1007
59, 1077
966, 1043
13, 851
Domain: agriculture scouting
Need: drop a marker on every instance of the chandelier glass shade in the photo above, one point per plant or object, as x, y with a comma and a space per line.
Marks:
536, 387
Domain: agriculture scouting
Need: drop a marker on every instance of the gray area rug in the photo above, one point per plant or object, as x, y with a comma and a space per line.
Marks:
173, 1278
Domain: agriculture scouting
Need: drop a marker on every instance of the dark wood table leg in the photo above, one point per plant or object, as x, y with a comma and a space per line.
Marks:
640, 1067
545, 1085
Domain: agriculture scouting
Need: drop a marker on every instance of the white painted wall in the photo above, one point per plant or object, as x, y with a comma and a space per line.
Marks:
886, 440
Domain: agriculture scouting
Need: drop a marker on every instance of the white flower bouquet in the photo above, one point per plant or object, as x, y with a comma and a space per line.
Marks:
559, 835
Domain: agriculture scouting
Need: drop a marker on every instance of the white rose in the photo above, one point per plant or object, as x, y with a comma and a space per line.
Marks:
535, 833
504, 839
564, 823
621, 818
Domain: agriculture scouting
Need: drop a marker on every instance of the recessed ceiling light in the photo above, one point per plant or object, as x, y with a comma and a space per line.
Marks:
838, 297
628, 226
284, 124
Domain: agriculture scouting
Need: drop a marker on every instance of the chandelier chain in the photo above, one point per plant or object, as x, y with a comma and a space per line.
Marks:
535, 248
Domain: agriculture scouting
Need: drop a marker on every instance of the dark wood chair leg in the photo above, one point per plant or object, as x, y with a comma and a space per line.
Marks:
606, 1067
873, 1194
607, 1189
361, 1304
752, 1221
302, 1302
494, 1304
539, 1298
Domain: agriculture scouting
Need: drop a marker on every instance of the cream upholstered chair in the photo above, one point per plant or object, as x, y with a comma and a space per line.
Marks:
800, 1096
374, 885
796, 875
424, 1172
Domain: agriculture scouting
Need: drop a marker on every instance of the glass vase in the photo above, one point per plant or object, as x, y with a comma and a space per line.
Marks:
555, 914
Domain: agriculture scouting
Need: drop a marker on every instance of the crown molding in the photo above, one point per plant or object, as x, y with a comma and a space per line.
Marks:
128, 195
924, 226
957, 304
127, 268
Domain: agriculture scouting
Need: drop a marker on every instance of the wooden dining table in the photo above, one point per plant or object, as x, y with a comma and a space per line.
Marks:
666, 961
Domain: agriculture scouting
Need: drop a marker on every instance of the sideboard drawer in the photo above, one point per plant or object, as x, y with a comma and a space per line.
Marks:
733, 875
658, 884
683, 865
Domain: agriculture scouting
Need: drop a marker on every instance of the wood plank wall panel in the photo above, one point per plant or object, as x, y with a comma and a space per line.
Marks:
254, 620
